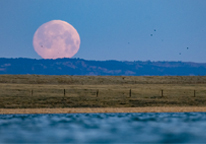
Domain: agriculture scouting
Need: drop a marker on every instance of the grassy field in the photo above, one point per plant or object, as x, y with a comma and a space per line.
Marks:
39, 91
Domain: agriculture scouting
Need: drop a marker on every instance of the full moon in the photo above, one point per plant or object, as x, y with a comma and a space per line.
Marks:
56, 39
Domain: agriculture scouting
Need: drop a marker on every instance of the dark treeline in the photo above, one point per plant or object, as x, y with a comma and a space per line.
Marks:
68, 66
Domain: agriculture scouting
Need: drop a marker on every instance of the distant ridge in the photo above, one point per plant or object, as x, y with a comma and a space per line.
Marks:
77, 66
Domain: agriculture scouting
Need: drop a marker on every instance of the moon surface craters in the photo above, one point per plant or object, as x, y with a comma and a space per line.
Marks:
56, 39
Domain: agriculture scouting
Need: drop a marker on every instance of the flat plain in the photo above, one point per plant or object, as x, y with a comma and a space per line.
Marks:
41, 91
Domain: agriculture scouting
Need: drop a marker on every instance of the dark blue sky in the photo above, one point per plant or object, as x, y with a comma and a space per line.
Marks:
156, 30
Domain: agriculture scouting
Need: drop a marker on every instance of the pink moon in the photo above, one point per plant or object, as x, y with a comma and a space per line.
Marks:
56, 39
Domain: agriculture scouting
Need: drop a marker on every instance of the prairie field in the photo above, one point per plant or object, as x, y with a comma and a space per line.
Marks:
41, 91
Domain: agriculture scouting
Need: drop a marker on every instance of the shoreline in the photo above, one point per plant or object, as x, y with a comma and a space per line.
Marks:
102, 110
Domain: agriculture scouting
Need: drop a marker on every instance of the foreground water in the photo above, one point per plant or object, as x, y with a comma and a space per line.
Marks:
104, 128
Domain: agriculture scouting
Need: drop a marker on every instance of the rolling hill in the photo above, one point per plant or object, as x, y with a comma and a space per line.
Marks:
68, 66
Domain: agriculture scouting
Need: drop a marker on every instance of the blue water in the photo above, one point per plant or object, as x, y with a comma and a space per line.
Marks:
104, 128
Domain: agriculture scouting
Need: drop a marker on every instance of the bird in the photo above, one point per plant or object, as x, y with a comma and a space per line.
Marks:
187, 47
151, 34
154, 29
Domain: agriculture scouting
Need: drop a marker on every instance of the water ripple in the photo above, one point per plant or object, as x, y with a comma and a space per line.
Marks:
104, 128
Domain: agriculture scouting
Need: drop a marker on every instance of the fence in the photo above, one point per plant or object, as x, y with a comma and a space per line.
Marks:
22, 97
130, 93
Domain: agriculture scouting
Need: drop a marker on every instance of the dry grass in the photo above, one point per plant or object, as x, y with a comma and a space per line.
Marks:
101, 110
48, 91
101, 80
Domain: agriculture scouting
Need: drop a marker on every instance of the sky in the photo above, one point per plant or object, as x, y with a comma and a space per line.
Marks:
125, 30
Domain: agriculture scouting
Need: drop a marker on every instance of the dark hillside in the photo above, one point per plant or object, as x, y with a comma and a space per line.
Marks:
90, 67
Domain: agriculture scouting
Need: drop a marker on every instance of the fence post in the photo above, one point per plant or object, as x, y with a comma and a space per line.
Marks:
162, 93
194, 93
63, 99
130, 93
97, 93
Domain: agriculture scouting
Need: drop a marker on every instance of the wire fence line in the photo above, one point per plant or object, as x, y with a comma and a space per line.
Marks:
135, 93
